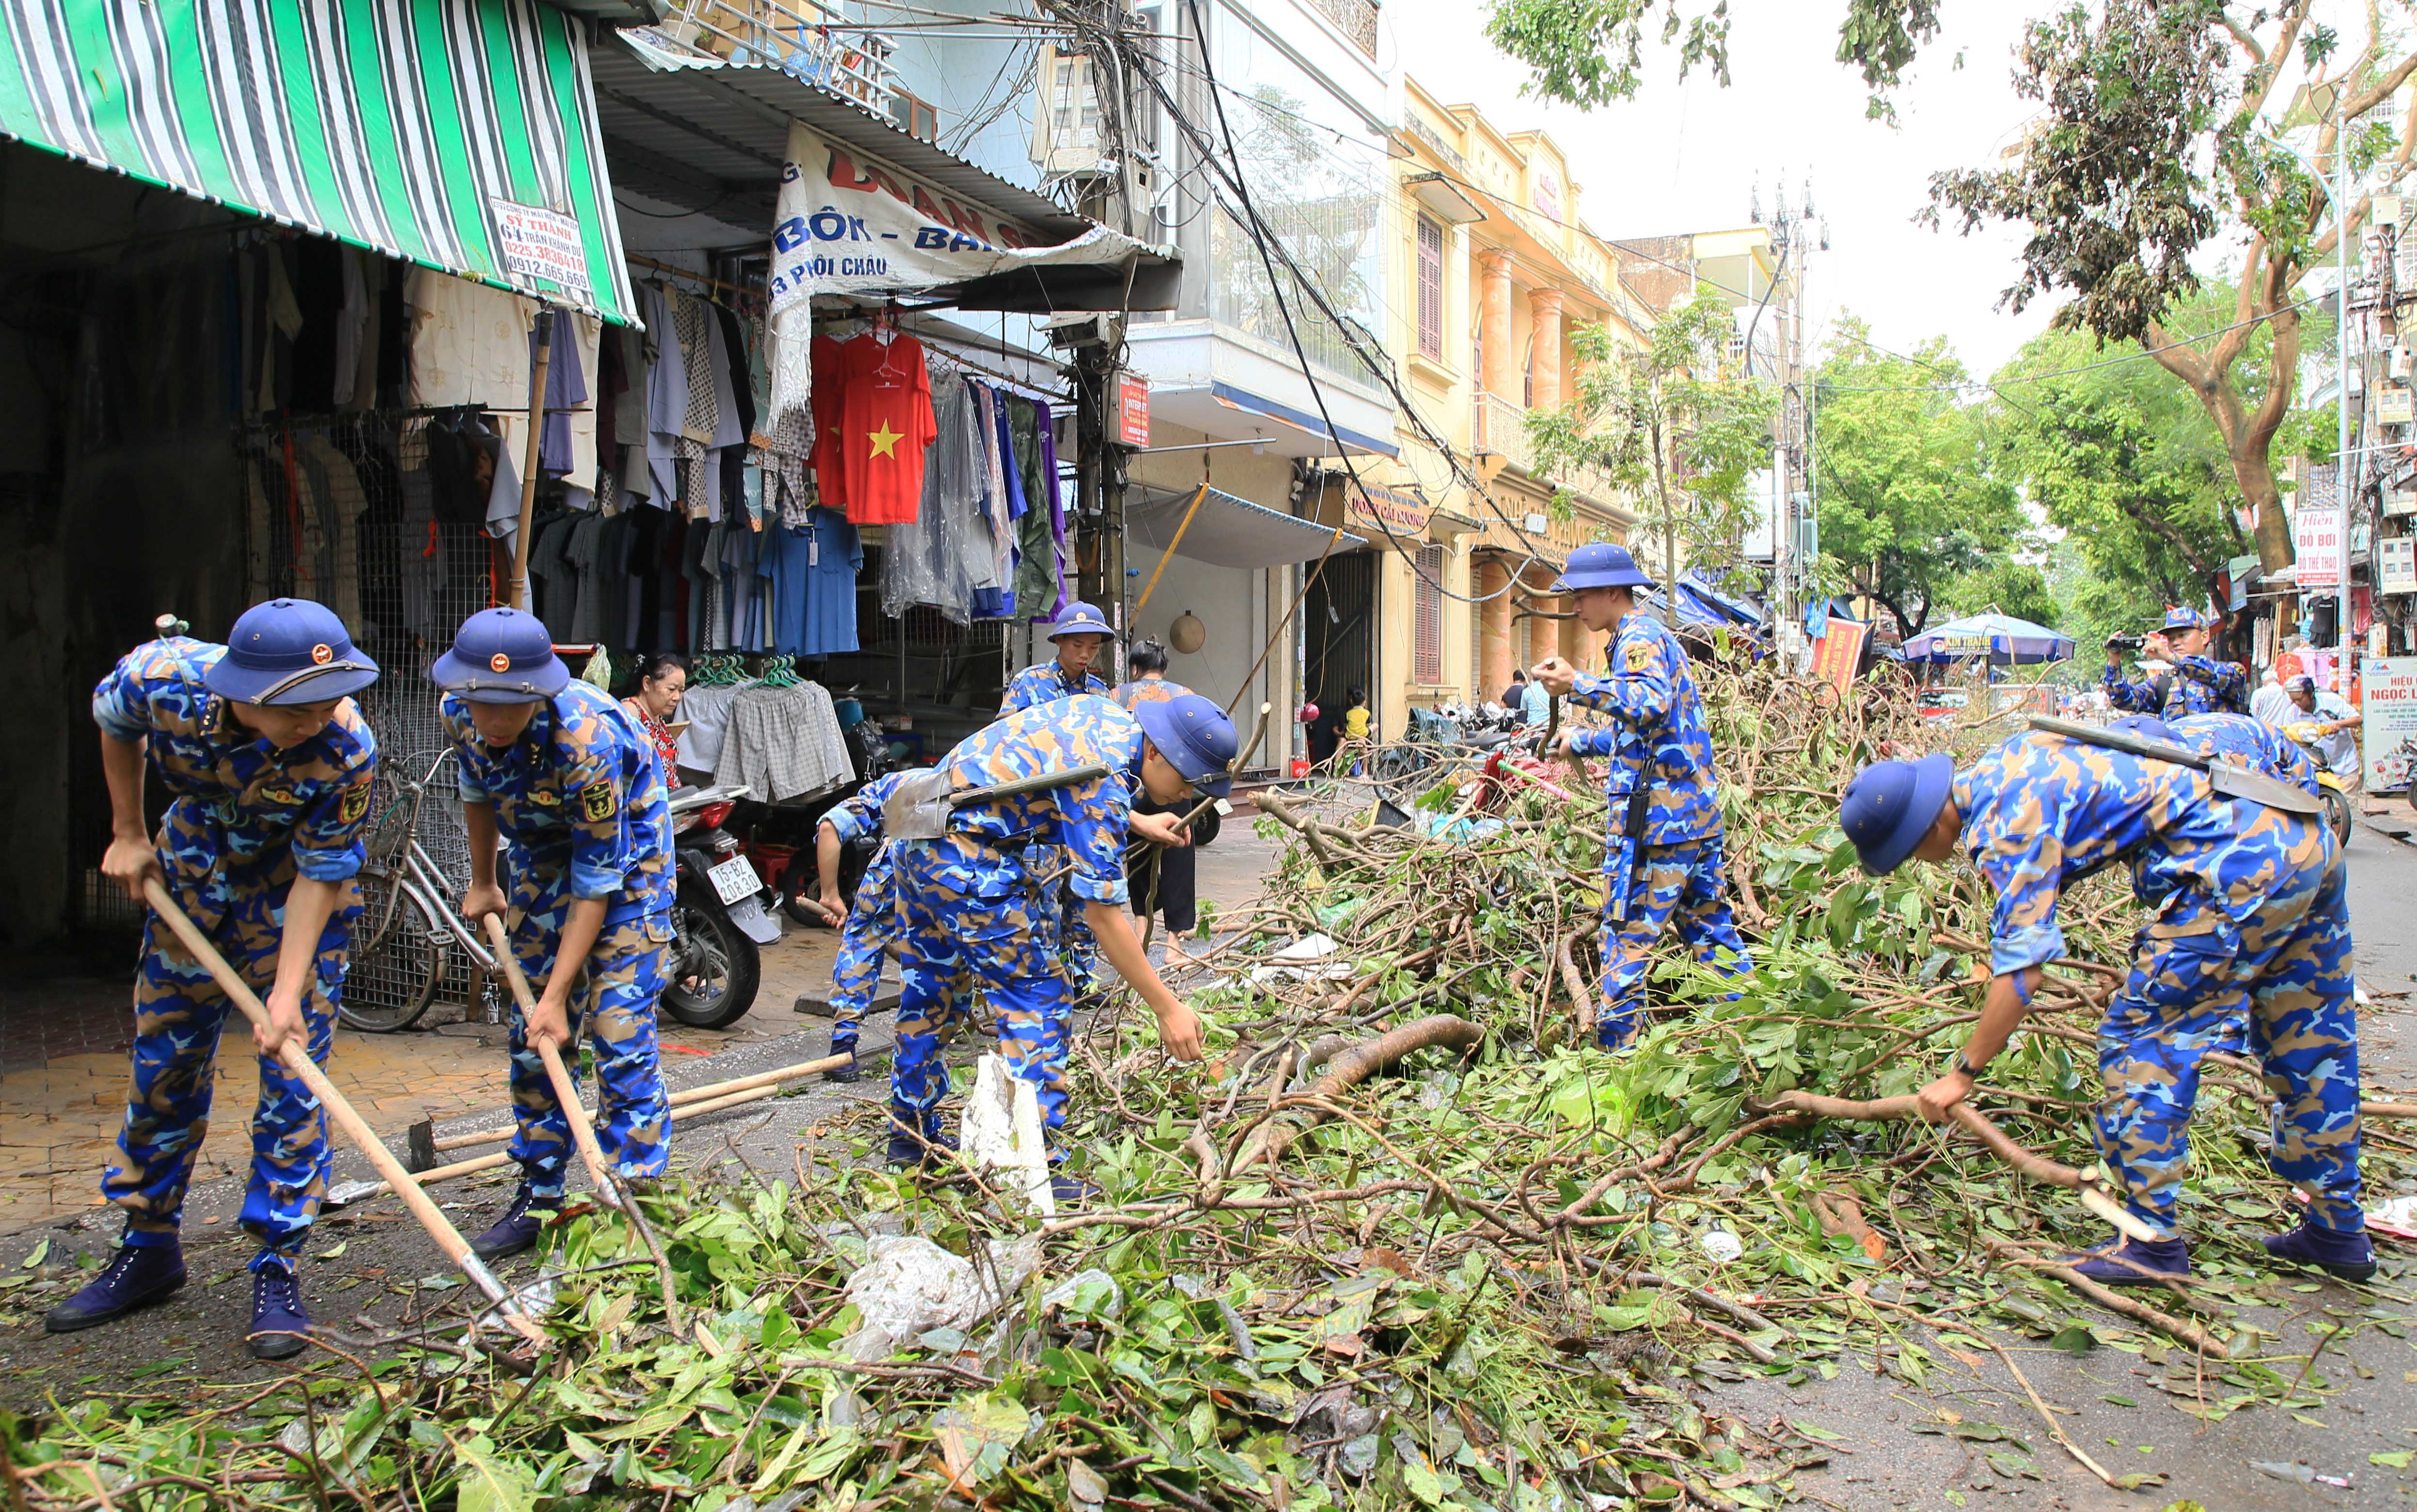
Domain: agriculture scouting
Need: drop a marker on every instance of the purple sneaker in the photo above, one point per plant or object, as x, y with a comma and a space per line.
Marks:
2349, 1256
136, 1277
520, 1226
279, 1321
2124, 1266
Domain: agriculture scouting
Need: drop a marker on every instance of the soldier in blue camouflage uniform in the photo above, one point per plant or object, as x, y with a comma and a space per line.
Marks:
971, 899
1662, 864
562, 773
2197, 685
1080, 636
270, 764
869, 930
2252, 915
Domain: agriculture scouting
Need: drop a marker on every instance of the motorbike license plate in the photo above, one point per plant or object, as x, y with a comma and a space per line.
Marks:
735, 879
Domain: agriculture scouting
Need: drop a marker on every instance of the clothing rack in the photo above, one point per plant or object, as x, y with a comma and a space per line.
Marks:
675, 271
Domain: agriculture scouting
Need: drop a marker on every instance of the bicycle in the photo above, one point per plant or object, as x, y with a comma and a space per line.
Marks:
408, 924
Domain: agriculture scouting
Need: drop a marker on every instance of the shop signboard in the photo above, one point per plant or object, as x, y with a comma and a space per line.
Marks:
1132, 409
1836, 655
1389, 511
2316, 544
849, 222
2388, 733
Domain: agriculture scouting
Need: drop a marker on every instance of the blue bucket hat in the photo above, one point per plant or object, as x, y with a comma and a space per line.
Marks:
288, 651
1196, 739
1601, 565
501, 656
1080, 619
1891, 805
2183, 617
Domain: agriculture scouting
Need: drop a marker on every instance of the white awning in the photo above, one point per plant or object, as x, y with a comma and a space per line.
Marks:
1227, 531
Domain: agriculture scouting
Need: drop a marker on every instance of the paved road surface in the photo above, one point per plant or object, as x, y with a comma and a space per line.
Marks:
1880, 1465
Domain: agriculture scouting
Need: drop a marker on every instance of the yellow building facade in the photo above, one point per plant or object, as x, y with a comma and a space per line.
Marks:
1490, 270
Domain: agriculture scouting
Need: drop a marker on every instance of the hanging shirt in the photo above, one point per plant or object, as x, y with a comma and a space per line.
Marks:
269, 815
885, 403
831, 569
1046, 682
581, 802
1657, 738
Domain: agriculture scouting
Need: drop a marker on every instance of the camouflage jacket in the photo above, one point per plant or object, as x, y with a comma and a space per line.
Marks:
257, 815
1657, 735
581, 802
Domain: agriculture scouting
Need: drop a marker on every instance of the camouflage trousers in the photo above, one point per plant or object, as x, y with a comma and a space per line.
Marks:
865, 936
614, 1005
2289, 972
179, 1013
1679, 886
949, 942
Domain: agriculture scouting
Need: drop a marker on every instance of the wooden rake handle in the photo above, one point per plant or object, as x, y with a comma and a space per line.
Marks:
294, 1055
565, 1091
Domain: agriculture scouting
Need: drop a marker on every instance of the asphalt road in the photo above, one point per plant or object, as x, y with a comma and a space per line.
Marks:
2367, 1403
2360, 1396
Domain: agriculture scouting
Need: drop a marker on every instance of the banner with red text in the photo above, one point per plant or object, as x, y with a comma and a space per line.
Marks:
851, 223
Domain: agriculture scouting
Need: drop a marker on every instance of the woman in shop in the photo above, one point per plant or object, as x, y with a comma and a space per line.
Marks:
663, 682
1152, 871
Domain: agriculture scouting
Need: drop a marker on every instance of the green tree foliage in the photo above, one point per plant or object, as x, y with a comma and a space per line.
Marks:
1592, 53
2129, 464
1668, 421
1910, 505
2157, 130
2009, 586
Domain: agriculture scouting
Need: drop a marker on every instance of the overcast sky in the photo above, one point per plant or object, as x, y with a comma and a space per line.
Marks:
1685, 156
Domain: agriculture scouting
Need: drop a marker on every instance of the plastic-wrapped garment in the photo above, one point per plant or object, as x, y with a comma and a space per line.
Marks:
934, 559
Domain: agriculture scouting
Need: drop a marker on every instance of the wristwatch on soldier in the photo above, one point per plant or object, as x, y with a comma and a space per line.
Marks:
1964, 1062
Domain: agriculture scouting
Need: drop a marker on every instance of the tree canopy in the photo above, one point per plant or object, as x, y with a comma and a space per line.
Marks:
1668, 420
1592, 53
1911, 512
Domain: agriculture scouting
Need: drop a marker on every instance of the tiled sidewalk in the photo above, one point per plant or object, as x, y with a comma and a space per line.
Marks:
63, 1044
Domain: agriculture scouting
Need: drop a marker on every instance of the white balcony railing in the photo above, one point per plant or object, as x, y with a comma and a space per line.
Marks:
810, 41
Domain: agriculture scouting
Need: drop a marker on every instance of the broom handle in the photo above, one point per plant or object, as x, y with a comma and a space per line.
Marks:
294, 1055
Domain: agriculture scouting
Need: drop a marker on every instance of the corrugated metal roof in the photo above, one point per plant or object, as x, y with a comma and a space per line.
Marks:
731, 120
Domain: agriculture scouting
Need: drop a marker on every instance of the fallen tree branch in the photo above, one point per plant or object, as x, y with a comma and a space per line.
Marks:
2180, 1329
1347, 1069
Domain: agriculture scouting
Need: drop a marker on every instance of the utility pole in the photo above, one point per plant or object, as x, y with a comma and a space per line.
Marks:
1795, 233
1101, 454
2344, 465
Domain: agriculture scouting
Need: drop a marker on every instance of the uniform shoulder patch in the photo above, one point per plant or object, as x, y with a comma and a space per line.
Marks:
355, 803
596, 802
1638, 657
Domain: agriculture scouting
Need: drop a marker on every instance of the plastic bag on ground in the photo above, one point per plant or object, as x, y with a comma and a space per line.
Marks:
1002, 1132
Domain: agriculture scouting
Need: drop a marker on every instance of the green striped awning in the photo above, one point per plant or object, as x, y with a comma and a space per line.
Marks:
458, 134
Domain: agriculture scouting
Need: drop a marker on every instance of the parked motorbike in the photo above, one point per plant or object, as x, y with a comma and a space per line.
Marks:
2310, 737
720, 922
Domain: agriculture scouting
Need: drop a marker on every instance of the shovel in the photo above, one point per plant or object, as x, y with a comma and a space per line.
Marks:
920, 809
2228, 780
583, 1130
296, 1057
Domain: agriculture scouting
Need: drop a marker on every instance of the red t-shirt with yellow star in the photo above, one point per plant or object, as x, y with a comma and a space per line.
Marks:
885, 422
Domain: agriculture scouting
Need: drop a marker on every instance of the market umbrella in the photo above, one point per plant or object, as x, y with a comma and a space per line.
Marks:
2001, 639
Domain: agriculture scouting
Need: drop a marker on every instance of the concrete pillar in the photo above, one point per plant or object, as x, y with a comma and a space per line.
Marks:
1494, 655
1544, 331
1501, 373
